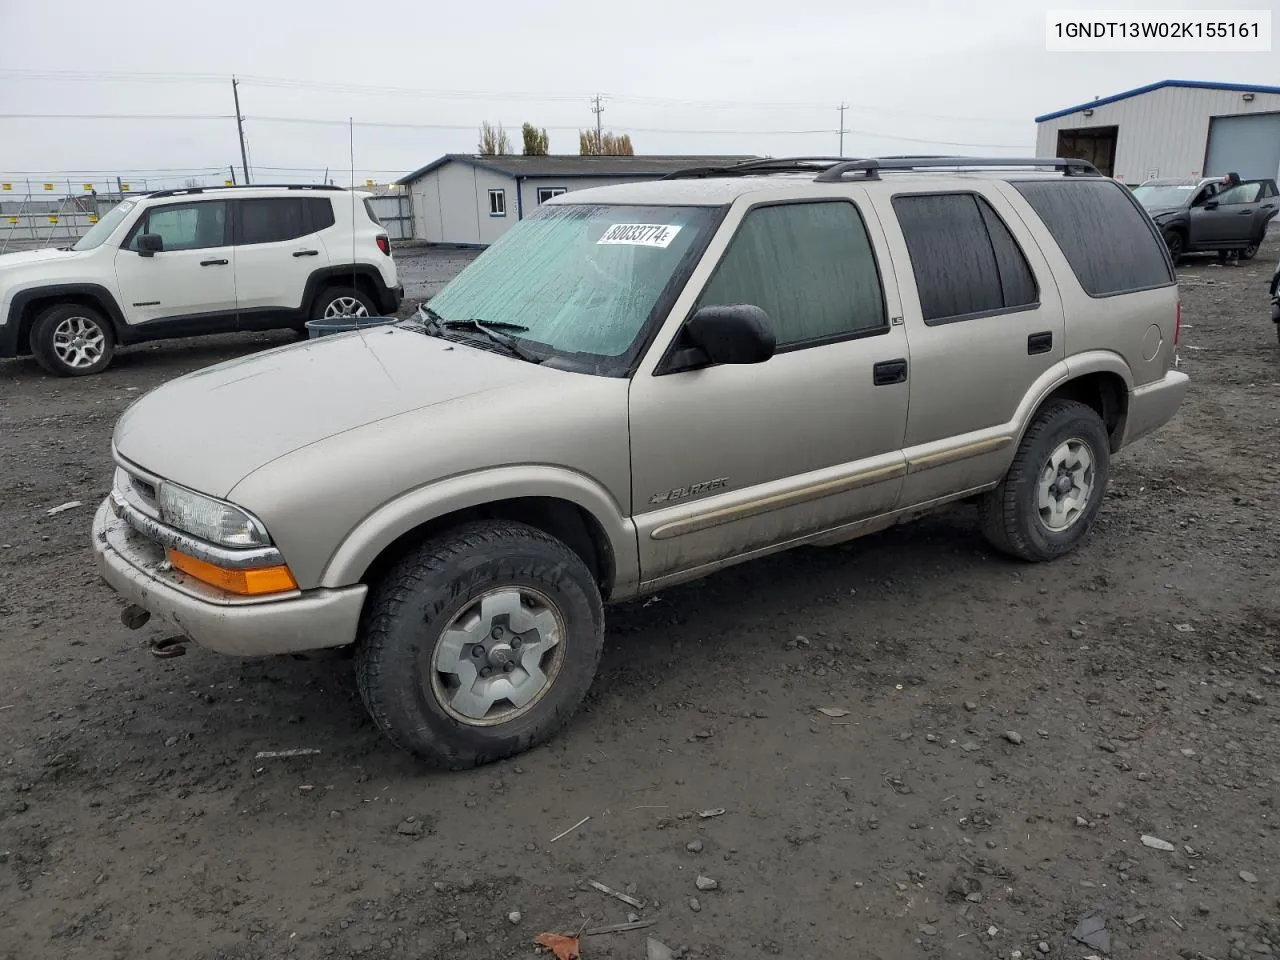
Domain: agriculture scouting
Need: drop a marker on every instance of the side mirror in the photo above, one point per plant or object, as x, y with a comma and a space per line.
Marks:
149, 244
735, 334
1211, 204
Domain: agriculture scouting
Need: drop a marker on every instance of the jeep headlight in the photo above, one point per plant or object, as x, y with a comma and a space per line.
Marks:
210, 519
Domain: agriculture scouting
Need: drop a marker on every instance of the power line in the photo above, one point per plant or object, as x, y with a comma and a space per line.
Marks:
490, 95
375, 124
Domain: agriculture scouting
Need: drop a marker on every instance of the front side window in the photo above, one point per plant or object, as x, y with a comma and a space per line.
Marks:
965, 260
497, 203
273, 219
1241, 193
808, 266
98, 233
185, 226
586, 281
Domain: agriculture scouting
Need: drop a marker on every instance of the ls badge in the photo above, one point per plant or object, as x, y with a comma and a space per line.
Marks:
693, 490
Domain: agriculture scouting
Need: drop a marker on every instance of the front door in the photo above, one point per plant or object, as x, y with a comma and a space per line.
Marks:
192, 277
1211, 222
732, 460
984, 321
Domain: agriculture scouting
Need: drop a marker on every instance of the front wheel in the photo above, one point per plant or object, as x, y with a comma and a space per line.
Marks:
1249, 252
72, 340
1173, 240
480, 644
1048, 500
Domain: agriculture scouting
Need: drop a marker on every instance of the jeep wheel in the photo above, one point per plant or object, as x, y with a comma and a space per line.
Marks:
1173, 240
479, 644
72, 340
1249, 252
1049, 498
336, 302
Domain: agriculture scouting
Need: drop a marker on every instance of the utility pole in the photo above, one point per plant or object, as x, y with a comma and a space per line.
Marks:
244, 157
231, 168
598, 108
842, 108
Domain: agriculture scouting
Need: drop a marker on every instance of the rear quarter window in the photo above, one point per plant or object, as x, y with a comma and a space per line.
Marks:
368, 208
1110, 244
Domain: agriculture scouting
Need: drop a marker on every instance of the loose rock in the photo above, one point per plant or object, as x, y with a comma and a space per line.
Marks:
1013, 736
515, 916
705, 883
1155, 843
694, 846
1248, 877
694, 904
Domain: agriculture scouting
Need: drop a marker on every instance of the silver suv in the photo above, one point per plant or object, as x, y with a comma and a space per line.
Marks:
637, 386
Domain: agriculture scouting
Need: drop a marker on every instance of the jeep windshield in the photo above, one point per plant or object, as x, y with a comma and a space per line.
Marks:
1162, 196
104, 227
586, 282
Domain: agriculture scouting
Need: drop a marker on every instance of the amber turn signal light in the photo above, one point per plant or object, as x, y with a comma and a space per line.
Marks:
248, 583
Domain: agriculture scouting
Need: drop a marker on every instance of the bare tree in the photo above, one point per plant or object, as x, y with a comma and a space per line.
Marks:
192, 182
606, 144
536, 141
493, 141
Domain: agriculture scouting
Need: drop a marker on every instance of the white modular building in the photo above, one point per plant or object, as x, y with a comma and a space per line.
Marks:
471, 200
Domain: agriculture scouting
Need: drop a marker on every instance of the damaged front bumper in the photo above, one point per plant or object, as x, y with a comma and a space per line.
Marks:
135, 566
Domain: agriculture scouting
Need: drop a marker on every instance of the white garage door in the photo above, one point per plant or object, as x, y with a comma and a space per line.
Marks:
1247, 145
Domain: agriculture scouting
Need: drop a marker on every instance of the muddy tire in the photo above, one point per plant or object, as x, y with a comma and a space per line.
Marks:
1173, 240
479, 644
71, 340
1250, 251
1048, 500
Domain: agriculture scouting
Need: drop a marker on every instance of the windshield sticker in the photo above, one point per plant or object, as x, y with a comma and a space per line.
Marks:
640, 234
1189, 186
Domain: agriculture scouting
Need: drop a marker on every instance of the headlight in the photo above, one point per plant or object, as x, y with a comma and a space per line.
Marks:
210, 519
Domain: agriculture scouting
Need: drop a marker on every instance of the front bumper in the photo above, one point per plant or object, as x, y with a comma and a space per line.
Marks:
135, 567
1152, 405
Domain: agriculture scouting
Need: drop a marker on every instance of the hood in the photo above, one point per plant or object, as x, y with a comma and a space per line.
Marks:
210, 429
1154, 212
25, 257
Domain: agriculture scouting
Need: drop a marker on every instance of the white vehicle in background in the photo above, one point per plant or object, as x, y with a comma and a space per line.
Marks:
201, 260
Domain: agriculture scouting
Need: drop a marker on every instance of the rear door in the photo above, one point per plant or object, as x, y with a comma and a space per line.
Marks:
192, 277
984, 322
277, 250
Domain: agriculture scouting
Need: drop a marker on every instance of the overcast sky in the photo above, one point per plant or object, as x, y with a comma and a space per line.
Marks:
682, 76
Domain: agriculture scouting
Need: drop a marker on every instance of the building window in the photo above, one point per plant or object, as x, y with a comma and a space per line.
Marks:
546, 193
497, 203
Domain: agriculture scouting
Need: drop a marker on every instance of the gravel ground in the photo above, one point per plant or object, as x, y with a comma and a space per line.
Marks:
1012, 732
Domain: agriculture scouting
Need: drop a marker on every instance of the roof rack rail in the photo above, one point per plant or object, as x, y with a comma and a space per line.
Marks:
870, 169
763, 165
181, 191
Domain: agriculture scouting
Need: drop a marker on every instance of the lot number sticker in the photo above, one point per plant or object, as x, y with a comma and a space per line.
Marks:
640, 234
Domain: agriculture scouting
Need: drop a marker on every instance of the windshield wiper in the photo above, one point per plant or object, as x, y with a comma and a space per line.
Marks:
492, 332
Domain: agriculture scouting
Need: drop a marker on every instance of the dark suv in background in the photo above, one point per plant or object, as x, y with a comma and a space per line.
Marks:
1198, 215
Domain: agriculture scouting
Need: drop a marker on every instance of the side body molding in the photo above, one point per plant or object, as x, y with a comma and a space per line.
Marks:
384, 525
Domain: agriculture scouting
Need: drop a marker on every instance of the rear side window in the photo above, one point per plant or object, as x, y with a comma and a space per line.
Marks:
809, 266
321, 211
966, 262
1109, 242
368, 208
271, 220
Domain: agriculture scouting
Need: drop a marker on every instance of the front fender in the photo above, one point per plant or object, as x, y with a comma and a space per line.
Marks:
384, 526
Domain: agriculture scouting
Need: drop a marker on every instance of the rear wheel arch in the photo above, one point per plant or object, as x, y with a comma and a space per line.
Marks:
360, 276
1105, 392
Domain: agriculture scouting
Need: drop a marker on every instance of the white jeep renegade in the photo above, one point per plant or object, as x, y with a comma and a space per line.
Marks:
203, 260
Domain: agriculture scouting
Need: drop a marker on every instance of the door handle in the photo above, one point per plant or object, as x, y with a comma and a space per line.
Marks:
1040, 342
214, 263
889, 371
306, 253
1245, 213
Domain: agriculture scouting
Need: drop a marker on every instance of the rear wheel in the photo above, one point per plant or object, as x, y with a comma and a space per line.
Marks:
336, 302
1173, 240
71, 340
480, 644
1048, 500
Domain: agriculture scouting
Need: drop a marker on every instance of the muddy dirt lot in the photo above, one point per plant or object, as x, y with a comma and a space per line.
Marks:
1012, 733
